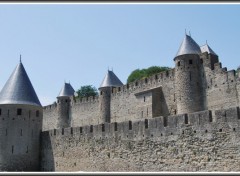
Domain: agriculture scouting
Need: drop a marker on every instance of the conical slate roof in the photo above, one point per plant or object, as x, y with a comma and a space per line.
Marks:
66, 91
188, 46
111, 80
206, 48
19, 89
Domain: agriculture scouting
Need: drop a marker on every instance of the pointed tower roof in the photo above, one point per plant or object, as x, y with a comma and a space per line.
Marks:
206, 48
188, 46
19, 89
66, 91
111, 80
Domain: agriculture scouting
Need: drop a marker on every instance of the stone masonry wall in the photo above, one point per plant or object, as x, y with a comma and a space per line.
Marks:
50, 117
201, 141
85, 112
221, 88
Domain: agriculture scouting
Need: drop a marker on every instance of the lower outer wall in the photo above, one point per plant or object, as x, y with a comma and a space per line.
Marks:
195, 150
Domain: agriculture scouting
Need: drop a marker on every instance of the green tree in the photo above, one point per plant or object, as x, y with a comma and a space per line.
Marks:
143, 73
87, 91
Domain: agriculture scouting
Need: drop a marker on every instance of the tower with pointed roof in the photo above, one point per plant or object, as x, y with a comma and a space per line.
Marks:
21, 124
110, 81
188, 81
63, 105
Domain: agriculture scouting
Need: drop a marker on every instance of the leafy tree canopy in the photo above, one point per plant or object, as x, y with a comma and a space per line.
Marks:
143, 73
87, 91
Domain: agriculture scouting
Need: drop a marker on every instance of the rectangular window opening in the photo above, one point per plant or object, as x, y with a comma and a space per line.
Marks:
186, 119
19, 111
37, 113
115, 126
71, 130
190, 62
130, 125
146, 123
91, 128
164, 121
81, 130
210, 116
103, 128
62, 131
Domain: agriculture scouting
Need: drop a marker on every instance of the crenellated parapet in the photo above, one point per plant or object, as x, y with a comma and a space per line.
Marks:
202, 123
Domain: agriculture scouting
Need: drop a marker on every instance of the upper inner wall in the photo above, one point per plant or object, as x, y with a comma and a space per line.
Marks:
221, 91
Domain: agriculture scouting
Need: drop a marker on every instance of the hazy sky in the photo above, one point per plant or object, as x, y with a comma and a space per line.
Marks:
78, 42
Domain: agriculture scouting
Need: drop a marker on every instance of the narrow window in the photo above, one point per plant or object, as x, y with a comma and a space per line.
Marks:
103, 127
130, 125
146, 80
127, 86
62, 131
101, 92
167, 73
190, 76
136, 83
179, 63
115, 126
190, 62
91, 129
80, 129
119, 89
201, 61
156, 76
0, 111
144, 99
146, 123
19, 111
164, 121
142, 114
37, 113
55, 131
186, 119
112, 90
210, 116
12, 148
66, 101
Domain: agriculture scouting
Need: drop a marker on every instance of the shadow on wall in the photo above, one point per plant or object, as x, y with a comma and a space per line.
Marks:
47, 158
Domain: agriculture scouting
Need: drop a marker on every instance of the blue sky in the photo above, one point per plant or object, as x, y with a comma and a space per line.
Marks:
78, 42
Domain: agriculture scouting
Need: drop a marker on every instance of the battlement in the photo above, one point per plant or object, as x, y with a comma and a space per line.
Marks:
84, 100
51, 106
145, 83
202, 122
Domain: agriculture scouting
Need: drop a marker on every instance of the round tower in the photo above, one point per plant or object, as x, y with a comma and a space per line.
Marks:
188, 81
63, 105
21, 124
110, 81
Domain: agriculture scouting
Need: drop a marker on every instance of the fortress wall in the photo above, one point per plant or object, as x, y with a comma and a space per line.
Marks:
85, 111
50, 117
221, 88
128, 101
187, 142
